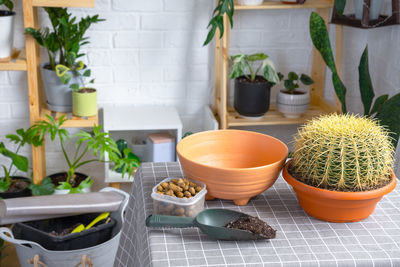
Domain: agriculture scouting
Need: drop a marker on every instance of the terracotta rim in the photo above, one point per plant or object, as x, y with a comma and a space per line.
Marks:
230, 169
336, 194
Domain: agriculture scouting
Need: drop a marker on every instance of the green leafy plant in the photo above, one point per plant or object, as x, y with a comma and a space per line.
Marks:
8, 3
384, 109
242, 66
46, 187
125, 152
339, 6
217, 21
66, 37
20, 138
65, 75
292, 81
96, 142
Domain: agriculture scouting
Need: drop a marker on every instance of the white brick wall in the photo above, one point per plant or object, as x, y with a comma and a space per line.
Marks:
150, 52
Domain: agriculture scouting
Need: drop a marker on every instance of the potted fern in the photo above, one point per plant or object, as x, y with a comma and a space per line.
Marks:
292, 101
96, 143
63, 44
6, 29
252, 91
84, 98
342, 166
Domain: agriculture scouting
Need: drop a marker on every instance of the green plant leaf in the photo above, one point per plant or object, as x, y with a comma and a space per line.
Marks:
4, 185
366, 88
257, 57
289, 85
320, 38
293, 76
74, 86
122, 145
340, 5
20, 162
239, 66
379, 102
269, 72
389, 115
87, 73
64, 186
223, 7
306, 80
281, 76
45, 188
61, 70
87, 183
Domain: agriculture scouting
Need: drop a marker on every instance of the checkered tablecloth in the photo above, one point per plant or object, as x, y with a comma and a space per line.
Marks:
301, 240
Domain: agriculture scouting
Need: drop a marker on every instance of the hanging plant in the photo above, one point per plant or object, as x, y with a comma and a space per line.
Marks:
217, 22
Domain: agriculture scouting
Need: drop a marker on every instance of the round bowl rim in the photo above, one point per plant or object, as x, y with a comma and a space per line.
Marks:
232, 169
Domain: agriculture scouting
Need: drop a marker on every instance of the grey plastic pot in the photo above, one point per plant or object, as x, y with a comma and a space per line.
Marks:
102, 255
58, 95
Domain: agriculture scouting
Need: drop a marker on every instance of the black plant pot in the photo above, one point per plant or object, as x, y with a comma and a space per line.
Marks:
25, 192
251, 99
39, 232
62, 177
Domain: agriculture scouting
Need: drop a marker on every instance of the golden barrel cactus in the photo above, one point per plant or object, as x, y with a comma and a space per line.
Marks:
343, 153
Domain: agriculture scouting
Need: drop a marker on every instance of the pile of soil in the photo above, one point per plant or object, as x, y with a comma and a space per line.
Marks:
16, 186
258, 79
62, 177
64, 232
254, 225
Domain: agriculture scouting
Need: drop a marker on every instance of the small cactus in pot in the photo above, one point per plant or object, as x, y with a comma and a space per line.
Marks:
342, 166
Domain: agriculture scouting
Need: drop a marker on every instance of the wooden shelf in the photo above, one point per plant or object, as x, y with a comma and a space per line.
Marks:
273, 117
63, 3
73, 121
17, 62
280, 5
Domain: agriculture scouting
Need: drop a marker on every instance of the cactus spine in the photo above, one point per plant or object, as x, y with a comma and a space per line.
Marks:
343, 152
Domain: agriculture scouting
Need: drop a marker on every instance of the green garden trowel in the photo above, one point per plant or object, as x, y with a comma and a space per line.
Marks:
211, 222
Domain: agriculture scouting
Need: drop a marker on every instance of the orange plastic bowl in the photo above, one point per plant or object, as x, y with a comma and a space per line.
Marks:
234, 164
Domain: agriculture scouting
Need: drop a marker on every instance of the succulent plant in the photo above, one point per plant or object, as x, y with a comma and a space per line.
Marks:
343, 153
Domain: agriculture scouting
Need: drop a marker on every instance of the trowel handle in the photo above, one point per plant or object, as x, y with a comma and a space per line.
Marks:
155, 220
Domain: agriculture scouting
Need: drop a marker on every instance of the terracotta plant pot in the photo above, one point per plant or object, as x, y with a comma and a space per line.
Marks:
334, 206
235, 165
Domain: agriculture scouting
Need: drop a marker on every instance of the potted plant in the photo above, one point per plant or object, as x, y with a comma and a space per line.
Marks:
293, 102
84, 98
123, 148
250, 2
252, 91
96, 142
63, 44
12, 186
342, 166
6, 30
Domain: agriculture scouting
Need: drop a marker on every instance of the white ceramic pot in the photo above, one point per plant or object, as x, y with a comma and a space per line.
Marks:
374, 11
6, 33
250, 2
293, 105
66, 192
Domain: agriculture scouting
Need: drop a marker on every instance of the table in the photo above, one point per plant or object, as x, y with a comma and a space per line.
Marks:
301, 240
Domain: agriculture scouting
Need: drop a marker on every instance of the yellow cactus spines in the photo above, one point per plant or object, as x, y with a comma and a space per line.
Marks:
343, 152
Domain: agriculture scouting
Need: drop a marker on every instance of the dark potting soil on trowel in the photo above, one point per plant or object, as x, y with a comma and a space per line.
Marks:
254, 225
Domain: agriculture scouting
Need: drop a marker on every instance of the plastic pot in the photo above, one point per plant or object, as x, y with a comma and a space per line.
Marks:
335, 206
6, 34
84, 102
39, 232
251, 99
102, 255
26, 192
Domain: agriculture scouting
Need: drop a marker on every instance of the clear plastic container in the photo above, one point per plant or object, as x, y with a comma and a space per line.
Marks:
174, 206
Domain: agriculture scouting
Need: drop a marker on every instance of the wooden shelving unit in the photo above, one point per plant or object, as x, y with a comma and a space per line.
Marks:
29, 61
228, 117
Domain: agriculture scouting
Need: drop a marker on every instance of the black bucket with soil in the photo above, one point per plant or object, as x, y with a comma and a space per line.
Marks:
55, 234
19, 187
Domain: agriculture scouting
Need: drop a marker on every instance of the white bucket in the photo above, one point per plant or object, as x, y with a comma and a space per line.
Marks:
102, 255
6, 35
